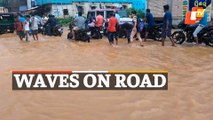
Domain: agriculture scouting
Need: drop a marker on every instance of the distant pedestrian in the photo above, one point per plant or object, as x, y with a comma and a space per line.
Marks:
135, 30
27, 27
91, 26
151, 23
167, 25
34, 27
127, 27
19, 28
117, 16
44, 19
21, 18
50, 24
202, 24
79, 24
99, 23
76, 15
113, 22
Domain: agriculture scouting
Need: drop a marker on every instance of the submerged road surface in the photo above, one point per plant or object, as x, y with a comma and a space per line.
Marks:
189, 96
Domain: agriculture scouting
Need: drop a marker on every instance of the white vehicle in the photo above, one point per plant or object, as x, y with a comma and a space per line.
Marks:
124, 17
106, 14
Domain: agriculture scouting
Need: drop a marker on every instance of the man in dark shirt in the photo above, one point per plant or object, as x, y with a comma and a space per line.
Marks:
150, 21
128, 28
167, 25
50, 24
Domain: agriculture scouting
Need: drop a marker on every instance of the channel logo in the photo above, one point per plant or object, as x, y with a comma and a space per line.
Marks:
196, 14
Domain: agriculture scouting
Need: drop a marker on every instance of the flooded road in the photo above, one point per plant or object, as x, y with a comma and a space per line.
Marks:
189, 96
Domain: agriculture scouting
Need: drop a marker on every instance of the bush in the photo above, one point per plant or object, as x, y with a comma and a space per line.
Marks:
65, 21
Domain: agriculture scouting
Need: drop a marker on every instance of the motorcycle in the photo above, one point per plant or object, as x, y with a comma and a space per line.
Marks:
186, 34
80, 35
95, 33
154, 34
56, 31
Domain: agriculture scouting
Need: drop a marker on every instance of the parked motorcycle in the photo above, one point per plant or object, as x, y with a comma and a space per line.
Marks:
154, 34
186, 34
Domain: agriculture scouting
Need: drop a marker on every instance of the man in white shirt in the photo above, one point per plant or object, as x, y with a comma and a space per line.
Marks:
34, 27
27, 27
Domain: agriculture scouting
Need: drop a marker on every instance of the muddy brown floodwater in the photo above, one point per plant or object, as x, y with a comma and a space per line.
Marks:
189, 96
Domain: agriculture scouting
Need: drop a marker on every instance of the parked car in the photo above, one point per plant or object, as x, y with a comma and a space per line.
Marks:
124, 17
7, 23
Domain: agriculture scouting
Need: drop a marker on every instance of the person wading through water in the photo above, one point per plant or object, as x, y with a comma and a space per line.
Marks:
167, 25
135, 30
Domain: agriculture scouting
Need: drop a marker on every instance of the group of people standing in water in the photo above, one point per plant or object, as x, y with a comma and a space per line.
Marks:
133, 31
31, 23
25, 26
136, 28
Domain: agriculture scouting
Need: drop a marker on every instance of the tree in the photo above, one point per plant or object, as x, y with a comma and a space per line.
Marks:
140, 13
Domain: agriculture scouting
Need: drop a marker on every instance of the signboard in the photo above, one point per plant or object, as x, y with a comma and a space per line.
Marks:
189, 4
185, 8
196, 3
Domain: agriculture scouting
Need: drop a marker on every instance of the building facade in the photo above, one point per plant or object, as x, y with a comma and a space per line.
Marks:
59, 7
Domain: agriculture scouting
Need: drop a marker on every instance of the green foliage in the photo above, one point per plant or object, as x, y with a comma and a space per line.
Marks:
140, 13
65, 21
